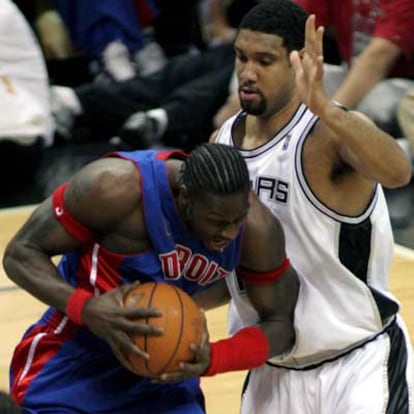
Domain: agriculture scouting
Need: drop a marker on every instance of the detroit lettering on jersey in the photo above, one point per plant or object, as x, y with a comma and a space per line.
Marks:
194, 267
270, 188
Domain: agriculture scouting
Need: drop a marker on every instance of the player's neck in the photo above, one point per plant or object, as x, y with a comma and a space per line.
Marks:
262, 129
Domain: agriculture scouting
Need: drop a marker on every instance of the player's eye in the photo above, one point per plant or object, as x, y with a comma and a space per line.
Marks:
266, 61
242, 58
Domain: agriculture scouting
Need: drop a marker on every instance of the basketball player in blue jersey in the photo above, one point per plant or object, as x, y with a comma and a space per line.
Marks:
320, 168
142, 216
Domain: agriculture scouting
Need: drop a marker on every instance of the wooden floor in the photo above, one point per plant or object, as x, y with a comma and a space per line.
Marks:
18, 309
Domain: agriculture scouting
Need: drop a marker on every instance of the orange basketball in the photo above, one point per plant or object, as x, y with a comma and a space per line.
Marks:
182, 322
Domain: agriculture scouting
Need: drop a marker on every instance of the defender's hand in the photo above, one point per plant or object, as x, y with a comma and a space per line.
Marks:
308, 66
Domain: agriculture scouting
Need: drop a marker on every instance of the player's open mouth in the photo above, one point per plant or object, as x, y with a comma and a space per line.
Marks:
218, 244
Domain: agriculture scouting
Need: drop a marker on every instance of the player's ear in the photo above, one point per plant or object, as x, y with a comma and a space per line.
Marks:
183, 191
184, 202
183, 195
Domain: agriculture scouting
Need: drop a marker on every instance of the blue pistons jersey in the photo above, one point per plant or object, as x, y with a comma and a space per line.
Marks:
61, 367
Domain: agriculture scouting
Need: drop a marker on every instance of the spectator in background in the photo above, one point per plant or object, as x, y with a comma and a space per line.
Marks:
100, 38
376, 45
113, 36
26, 126
221, 18
180, 29
172, 107
405, 117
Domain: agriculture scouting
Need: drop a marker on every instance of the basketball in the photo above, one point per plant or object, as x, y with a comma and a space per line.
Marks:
182, 321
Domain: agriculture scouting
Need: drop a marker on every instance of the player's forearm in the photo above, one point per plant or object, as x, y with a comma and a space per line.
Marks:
368, 149
371, 67
37, 274
357, 84
250, 347
280, 334
214, 296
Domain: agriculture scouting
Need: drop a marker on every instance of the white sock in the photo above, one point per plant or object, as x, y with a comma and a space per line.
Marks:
160, 115
68, 97
117, 61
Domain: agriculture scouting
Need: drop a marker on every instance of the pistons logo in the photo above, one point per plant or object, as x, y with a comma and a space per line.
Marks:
195, 267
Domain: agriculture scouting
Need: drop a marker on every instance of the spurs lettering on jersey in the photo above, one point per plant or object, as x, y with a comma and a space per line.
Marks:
195, 267
271, 188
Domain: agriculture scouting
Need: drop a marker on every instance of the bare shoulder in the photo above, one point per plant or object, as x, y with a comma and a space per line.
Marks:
264, 240
213, 137
103, 191
260, 217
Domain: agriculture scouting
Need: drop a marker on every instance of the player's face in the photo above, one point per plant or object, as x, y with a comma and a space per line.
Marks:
216, 220
266, 78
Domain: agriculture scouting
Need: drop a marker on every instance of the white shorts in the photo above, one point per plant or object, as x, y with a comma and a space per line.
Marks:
373, 379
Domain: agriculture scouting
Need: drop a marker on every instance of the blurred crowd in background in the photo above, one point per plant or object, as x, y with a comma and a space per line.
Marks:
144, 73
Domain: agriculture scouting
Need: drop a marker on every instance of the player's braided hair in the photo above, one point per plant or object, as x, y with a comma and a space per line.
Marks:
283, 18
216, 169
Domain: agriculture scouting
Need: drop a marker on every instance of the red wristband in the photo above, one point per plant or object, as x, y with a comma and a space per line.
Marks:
246, 349
76, 303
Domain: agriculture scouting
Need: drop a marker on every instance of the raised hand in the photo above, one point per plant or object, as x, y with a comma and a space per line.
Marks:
308, 66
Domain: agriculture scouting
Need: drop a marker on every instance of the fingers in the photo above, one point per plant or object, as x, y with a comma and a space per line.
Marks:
194, 368
319, 40
123, 290
128, 347
131, 312
296, 62
137, 328
186, 371
313, 38
319, 69
122, 346
310, 35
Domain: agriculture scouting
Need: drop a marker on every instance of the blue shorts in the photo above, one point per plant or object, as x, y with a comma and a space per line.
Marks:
77, 373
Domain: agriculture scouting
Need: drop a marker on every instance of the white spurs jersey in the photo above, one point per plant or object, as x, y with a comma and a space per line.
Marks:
342, 261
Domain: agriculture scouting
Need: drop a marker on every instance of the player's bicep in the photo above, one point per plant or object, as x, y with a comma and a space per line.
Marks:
42, 232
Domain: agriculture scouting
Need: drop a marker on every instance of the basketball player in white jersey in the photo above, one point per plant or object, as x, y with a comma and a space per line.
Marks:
320, 169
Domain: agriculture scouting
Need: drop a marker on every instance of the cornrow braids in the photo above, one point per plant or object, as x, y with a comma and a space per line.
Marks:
216, 169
